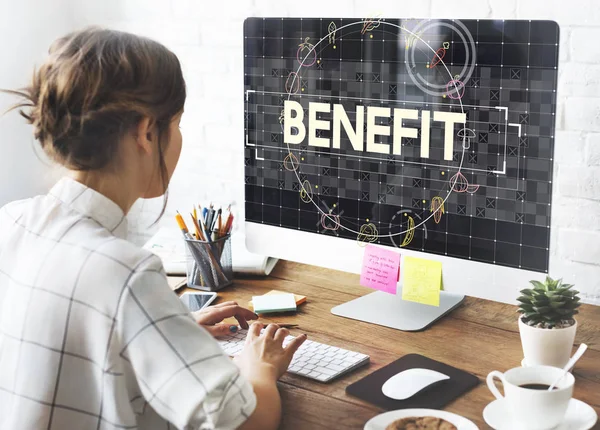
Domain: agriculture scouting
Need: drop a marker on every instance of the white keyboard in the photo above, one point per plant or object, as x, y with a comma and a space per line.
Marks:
313, 360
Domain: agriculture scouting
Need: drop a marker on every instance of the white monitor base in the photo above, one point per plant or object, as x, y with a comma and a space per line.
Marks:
391, 311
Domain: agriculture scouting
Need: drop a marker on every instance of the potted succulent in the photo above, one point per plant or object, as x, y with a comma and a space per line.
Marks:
547, 324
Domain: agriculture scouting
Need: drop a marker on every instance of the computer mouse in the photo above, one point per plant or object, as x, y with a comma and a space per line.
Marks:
409, 382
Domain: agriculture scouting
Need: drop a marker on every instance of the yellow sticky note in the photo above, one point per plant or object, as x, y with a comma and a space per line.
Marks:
422, 281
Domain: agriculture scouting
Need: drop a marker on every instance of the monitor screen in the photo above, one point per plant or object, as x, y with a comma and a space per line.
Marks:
434, 136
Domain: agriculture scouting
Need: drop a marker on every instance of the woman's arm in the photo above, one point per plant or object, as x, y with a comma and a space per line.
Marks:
180, 369
262, 362
267, 414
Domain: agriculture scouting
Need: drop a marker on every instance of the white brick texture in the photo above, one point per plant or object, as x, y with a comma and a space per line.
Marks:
579, 79
579, 246
574, 13
578, 182
457, 9
582, 113
584, 46
569, 148
592, 155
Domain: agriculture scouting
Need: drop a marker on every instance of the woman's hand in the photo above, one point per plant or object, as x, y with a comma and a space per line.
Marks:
264, 358
210, 318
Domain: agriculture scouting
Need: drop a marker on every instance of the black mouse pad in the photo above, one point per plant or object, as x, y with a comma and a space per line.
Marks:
435, 396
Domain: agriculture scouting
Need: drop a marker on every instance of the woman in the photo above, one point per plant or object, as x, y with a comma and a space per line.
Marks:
91, 336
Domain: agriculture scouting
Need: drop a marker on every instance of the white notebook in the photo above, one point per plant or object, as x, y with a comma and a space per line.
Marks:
168, 244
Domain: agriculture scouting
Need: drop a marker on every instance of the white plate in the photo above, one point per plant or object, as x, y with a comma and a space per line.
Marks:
579, 416
381, 421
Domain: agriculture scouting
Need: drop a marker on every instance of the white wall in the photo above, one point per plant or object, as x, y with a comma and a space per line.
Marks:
26, 29
207, 36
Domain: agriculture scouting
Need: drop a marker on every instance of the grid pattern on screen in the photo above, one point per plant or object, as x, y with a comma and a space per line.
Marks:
501, 74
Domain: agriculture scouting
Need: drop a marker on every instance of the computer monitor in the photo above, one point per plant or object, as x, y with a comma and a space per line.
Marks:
433, 137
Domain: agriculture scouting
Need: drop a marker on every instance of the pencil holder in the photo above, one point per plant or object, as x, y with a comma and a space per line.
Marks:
208, 264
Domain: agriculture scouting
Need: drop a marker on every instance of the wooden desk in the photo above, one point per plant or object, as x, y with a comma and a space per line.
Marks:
478, 337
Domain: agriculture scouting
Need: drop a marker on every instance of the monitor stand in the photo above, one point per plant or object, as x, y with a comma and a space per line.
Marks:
391, 311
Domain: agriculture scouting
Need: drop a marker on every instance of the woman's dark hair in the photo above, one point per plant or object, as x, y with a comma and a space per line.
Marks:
95, 86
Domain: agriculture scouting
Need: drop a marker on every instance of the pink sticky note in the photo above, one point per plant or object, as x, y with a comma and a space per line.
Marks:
380, 269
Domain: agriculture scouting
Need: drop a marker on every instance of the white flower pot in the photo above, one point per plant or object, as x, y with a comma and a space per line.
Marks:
548, 347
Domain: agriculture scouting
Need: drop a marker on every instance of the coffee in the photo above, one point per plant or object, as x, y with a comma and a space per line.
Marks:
527, 398
536, 386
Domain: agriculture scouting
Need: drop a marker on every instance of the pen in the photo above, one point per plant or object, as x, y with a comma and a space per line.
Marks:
219, 223
213, 219
202, 222
203, 229
235, 328
209, 218
215, 232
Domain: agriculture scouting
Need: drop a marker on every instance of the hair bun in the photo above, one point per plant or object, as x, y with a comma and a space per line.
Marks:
94, 86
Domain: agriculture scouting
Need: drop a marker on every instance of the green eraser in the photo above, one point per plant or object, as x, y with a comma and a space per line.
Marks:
274, 303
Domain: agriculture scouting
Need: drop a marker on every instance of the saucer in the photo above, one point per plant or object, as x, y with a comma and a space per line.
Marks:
579, 416
381, 421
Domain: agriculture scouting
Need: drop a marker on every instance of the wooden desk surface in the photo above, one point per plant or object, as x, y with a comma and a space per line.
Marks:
478, 337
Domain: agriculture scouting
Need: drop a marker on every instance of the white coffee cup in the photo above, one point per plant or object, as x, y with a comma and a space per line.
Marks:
529, 408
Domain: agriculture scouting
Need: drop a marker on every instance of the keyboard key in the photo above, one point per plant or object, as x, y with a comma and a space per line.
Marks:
335, 367
325, 371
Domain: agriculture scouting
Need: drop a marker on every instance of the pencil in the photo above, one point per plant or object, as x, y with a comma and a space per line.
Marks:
226, 225
197, 227
182, 225
229, 225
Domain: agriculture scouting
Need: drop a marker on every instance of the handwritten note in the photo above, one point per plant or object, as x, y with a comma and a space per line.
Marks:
380, 269
422, 281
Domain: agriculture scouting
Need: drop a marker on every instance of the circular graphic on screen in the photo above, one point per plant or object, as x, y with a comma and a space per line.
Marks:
434, 80
402, 227
442, 83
